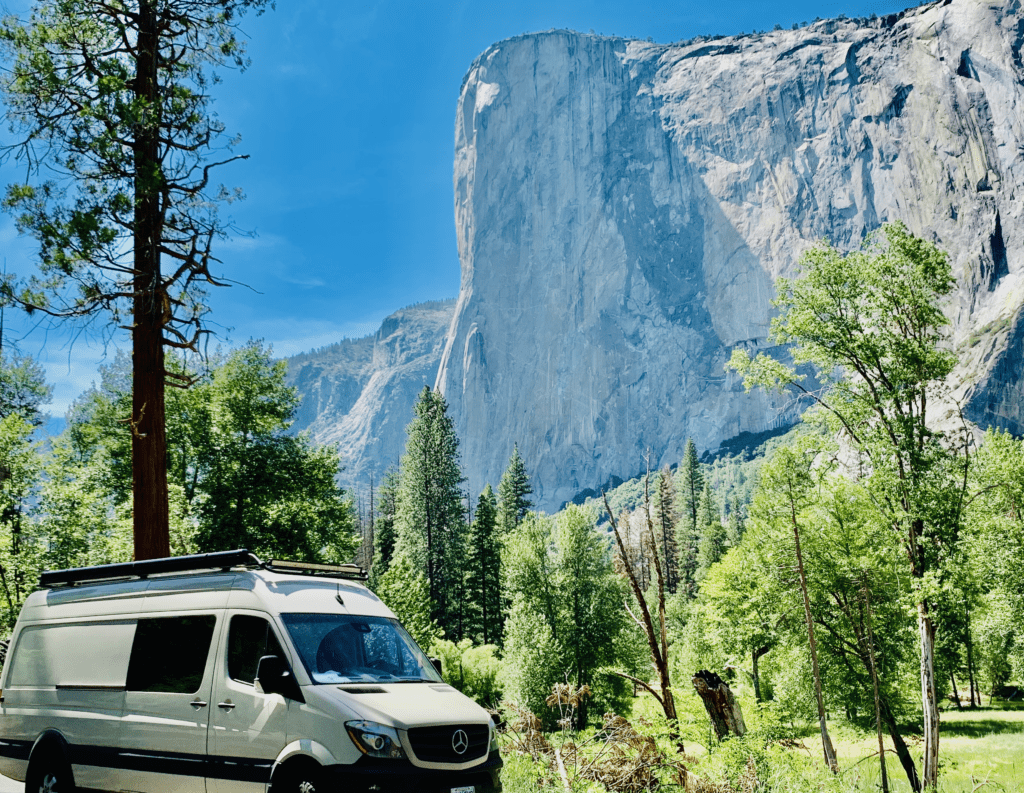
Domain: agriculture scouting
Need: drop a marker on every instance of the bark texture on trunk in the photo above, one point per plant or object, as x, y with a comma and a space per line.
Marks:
150, 514
722, 707
902, 752
826, 739
926, 629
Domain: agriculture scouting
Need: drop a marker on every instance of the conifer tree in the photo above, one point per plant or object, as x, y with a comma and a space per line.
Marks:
384, 526
429, 518
512, 494
735, 526
483, 571
665, 505
112, 103
712, 533
691, 485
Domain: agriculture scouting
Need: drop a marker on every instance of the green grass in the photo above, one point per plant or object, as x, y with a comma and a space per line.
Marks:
981, 751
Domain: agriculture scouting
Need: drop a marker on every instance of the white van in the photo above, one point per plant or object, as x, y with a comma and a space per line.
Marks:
219, 673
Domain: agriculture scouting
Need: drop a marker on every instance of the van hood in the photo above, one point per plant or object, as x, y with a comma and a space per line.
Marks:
407, 705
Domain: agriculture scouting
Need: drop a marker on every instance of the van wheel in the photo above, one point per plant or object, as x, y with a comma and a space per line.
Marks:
50, 773
306, 777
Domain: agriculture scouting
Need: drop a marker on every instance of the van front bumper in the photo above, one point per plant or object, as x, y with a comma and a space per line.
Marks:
401, 776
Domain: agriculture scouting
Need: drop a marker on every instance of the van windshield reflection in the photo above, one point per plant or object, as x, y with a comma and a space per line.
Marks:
345, 648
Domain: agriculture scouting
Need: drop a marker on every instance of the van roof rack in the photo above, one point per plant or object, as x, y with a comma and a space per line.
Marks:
221, 560
353, 571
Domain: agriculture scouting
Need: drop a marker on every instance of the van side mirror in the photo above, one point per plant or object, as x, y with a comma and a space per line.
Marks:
274, 677
436, 662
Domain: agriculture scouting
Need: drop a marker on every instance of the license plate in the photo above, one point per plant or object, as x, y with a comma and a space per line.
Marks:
466, 789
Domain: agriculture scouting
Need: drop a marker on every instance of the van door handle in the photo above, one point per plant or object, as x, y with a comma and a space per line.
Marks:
197, 704
226, 705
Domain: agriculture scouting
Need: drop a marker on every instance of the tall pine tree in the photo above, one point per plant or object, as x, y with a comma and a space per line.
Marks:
429, 518
666, 517
384, 526
691, 485
483, 571
512, 494
711, 544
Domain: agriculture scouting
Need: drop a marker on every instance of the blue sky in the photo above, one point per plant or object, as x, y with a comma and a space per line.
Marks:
347, 113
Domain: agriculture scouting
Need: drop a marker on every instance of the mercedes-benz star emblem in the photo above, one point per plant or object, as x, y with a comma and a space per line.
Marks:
460, 741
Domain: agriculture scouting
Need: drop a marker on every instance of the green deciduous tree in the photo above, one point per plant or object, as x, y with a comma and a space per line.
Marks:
872, 324
430, 521
566, 614
405, 591
20, 469
237, 477
111, 103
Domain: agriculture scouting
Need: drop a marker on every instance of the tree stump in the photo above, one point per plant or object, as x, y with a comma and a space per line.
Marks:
721, 705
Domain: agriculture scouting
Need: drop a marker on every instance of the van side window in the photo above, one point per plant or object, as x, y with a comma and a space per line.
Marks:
169, 654
249, 639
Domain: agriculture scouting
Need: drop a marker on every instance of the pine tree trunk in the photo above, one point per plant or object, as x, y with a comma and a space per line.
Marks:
956, 694
151, 521
926, 629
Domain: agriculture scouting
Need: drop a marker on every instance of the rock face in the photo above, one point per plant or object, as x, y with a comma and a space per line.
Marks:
623, 208
359, 393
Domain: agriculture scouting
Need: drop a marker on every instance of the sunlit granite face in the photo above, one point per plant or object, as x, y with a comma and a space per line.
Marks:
623, 208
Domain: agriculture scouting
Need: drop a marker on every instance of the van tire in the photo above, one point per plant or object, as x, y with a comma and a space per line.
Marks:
299, 776
49, 772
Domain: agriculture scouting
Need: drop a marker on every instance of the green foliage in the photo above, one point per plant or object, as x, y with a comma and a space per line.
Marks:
23, 388
126, 150
483, 572
711, 534
384, 526
429, 522
513, 490
665, 527
566, 613
264, 489
405, 591
20, 555
237, 477
690, 487
472, 669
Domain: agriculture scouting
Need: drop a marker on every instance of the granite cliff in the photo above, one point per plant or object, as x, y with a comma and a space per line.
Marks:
622, 209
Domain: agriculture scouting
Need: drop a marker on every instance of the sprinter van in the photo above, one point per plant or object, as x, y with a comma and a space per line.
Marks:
220, 673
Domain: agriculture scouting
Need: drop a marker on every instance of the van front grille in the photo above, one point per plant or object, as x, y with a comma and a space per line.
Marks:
438, 744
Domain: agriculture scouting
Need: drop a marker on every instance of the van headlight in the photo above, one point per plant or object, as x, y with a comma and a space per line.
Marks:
494, 738
375, 740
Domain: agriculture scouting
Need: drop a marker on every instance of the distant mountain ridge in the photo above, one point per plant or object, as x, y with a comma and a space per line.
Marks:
359, 393
623, 209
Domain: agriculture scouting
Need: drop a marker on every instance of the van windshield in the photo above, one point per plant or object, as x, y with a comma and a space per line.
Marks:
343, 648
